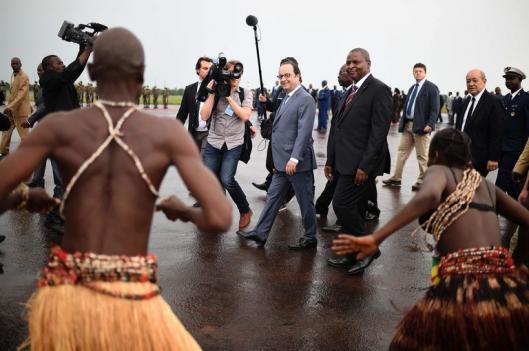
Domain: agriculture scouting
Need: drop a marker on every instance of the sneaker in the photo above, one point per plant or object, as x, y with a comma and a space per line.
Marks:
391, 182
245, 219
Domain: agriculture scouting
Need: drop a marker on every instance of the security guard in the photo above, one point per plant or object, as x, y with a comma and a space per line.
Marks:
516, 132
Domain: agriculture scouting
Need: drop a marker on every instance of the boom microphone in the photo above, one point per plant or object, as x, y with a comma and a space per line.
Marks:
251, 20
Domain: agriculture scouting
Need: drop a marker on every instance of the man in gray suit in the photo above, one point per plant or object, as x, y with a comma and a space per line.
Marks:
418, 121
294, 160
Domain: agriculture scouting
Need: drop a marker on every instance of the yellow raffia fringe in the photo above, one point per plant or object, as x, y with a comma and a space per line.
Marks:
75, 318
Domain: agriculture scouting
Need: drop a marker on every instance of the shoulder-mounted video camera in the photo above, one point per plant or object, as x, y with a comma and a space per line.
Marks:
221, 77
82, 34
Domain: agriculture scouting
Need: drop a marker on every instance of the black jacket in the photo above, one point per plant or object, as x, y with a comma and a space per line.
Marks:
188, 107
485, 129
426, 108
58, 89
358, 136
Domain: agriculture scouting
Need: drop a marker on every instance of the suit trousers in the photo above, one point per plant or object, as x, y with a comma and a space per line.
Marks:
38, 178
408, 140
504, 180
350, 202
303, 185
16, 122
326, 196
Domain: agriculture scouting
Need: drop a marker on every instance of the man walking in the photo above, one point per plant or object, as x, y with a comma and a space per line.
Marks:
293, 157
18, 105
421, 110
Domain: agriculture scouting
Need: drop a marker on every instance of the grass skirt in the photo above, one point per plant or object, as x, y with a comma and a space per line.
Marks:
96, 316
470, 311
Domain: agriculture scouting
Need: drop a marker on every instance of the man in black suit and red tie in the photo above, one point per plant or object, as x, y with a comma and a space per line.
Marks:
190, 107
357, 149
482, 118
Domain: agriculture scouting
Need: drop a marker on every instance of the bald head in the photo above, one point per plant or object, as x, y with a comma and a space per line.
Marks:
117, 52
363, 52
476, 81
16, 64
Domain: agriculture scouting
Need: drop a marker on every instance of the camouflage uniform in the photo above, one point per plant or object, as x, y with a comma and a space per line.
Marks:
165, 98
155, 93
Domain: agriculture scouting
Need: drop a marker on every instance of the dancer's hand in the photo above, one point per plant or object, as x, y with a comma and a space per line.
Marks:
40, 201
174, 209
346, 244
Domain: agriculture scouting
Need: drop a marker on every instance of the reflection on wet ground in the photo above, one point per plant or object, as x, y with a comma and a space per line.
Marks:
234, 296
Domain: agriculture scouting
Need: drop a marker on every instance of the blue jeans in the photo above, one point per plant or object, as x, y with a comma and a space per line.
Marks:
223, 163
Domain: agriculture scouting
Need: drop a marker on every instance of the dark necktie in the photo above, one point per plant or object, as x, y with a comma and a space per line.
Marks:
471, 110
412, 100
350, 97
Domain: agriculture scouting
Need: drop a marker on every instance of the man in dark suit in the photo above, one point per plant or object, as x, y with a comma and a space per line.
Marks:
516, 106
482, 118
293, 157
357, 150
190, 107
421, 109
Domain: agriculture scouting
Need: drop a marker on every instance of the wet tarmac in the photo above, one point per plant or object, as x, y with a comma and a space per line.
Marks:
234, 296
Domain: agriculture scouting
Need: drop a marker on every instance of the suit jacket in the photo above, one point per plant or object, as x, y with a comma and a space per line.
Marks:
58, 90
358, 136
485, 129
427, 106
292, 132
18, 100
188, 107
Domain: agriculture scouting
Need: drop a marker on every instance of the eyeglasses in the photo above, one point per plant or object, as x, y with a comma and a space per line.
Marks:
286, 76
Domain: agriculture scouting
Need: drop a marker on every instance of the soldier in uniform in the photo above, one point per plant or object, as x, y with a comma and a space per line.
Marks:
80, 92
36, 91
165, 98
155, 93
90, 91
516, 131
146, 97
324, 103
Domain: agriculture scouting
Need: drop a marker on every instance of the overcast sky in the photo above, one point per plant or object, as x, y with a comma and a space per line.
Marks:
450, 37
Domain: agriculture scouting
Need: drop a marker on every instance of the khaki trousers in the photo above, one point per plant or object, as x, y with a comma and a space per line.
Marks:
16, 122
408, 140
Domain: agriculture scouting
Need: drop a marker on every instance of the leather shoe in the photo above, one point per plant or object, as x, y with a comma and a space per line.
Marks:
360, 266
416, 187
263, 186
391, 182
252, 235
371, 216
335, 228
2, 238
303, 244
322, 212
341, 262
244, 221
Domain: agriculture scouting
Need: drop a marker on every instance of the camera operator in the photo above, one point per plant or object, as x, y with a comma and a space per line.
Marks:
60, 94
226, 137
57, 82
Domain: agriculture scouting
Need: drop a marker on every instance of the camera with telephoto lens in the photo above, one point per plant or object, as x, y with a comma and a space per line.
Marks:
80, 34
221, 76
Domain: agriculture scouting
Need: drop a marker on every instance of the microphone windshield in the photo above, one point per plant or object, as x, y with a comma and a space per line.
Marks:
251, 20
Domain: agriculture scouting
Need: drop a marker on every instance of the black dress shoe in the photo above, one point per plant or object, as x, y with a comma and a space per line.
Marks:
416, 187
263, 186
322, 212
335, 228
2, 238
341, 262
252, 235
372, 216
360, 266
303, 244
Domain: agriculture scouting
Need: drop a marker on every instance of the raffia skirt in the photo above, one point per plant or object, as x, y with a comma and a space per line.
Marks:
99, 302
480, 303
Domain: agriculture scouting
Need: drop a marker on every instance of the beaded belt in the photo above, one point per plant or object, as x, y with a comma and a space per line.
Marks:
483, 260
87, 269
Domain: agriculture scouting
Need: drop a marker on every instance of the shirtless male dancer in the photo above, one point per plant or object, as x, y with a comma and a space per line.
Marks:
98, 290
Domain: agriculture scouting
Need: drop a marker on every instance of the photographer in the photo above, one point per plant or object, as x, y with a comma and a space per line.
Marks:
226, 137
57, 82
60, 94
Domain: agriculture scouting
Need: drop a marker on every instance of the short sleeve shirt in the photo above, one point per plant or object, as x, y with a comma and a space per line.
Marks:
226, 129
